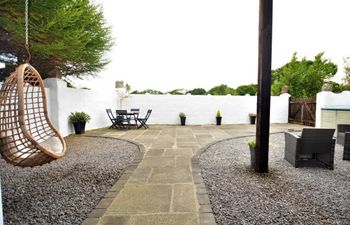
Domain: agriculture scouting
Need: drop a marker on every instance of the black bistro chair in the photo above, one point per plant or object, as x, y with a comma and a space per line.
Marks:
112, 118
143, 121
123, 119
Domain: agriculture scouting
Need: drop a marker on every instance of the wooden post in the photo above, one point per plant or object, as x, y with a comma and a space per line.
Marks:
264, 86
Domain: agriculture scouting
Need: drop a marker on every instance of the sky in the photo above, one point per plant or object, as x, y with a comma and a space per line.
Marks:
170, 44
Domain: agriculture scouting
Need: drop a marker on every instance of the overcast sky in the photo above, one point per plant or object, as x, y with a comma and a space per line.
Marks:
168, 44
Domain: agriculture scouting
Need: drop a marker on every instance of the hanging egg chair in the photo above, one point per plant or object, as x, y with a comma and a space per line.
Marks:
27, 137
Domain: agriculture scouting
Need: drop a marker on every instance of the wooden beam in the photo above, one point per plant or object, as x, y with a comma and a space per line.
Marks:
264, 86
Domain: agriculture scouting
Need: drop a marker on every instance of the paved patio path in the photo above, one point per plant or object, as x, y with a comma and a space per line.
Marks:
161, 188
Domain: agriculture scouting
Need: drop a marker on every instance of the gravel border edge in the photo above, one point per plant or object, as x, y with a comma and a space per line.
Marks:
96, 214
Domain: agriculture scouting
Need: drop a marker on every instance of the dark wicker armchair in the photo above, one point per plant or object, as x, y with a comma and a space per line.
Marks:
341, 129
314, 145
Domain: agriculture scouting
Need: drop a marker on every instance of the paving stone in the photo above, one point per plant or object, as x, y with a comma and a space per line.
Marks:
140, 175
182, 161
111, 194
207, 219
171, 175
104, 203
156, 162
185, 139
91, 221
184, 198
165, 219
163, 144
187, 144
115, 220
187, 152
117, 186
205, 209
203, 199
154, 152
96, 213
135, 198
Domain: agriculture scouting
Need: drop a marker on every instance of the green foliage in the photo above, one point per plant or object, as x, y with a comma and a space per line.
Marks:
222, 89
177, 92
346, 79
252, 144
304, 78
65, 37
181, 114
198, 91
218, 113
149, 91
251, 89
79, 117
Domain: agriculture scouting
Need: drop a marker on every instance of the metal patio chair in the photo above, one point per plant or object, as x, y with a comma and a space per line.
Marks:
123, 119
143, 121
314, 145
112, 118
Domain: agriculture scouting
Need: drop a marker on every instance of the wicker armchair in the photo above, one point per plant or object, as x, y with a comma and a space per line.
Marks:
314, 145
341, 129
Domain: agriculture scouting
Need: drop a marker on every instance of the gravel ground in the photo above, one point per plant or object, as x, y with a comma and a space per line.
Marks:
286, 195
66, 190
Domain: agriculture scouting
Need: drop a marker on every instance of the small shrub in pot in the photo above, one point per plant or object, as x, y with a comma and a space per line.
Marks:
79, 120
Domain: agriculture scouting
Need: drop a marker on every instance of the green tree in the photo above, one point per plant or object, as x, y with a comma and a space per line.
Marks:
66, 37
346, 79
177, 92
149, 91
336, 87
304, 78
197, 91
222, 89
251, 89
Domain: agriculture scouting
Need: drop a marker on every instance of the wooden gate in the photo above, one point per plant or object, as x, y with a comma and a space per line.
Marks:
302, 111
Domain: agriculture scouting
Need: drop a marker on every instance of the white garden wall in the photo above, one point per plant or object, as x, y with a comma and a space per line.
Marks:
198, 109
328, 99
63, 100
201, 109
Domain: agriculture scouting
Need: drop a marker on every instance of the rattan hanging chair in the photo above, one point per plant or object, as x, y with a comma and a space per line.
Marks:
27, 137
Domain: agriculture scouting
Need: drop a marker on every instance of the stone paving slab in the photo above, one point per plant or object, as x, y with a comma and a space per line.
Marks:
136, 198
171, 175
166, 187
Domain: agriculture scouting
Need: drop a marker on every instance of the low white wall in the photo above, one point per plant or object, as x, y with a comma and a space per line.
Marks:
327, 98
202, 109
198, 109
63, 100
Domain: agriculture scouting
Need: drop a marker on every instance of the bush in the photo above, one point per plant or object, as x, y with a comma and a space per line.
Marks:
181, 114
79, 117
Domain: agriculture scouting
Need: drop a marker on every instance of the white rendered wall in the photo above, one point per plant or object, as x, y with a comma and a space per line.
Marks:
63, 100
198, 109
327, 98
201, 109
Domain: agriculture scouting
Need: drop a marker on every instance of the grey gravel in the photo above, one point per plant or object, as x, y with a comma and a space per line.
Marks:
286, 195
66, 190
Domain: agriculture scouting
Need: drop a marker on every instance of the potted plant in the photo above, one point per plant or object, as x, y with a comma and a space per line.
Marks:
252, 117
79, 119
218, 117
252, 147
182, 118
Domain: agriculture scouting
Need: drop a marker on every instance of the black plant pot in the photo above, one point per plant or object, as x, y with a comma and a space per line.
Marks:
79, 127
218, 120
252, 157
252, 119
183, 121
